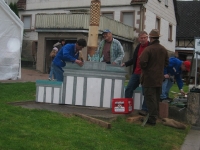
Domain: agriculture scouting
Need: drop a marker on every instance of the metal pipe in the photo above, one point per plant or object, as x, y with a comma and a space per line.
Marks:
196, 71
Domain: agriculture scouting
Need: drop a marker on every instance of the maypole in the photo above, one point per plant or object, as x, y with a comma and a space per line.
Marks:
94, 27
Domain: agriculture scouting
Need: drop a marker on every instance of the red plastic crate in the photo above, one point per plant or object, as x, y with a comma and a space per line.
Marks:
122, 105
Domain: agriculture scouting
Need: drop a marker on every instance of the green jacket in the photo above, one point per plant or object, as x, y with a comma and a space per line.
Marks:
116, 51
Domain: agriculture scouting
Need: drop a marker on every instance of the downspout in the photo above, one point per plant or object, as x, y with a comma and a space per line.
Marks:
142, 18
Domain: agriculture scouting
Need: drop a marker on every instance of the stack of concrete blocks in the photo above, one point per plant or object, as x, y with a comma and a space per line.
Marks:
93, 84
193, 109
49, 91
138, 98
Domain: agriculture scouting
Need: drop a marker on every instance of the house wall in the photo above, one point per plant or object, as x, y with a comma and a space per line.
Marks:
41, 4
185, 43
10, 1
31, 36
154, 9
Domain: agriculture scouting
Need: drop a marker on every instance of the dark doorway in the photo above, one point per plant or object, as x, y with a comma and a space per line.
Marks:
49, 47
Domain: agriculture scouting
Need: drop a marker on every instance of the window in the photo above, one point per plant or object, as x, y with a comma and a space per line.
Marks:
170, 33
157, 23
166, 3
27, 22
128, 18
108, 14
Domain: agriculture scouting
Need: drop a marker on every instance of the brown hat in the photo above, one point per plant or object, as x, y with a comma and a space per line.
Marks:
154, 33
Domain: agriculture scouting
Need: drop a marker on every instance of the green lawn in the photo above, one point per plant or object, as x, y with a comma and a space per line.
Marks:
24, 129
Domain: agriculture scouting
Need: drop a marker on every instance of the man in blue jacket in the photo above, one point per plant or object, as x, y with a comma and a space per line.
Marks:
171, 72
70, 53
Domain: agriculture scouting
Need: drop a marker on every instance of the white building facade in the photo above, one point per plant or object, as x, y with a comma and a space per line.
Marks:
141, 15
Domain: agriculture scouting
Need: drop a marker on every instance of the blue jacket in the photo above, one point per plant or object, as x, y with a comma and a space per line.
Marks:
67, 53
174, 69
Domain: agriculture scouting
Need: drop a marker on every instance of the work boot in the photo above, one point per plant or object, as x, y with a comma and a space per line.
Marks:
142, 113
166, 100
151, 120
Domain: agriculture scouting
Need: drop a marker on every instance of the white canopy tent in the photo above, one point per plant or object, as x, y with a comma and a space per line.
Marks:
11, 35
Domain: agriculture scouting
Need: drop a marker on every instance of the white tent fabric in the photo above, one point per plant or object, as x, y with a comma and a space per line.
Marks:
11, 36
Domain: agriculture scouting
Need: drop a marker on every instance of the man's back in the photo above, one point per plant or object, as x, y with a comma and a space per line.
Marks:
152, 61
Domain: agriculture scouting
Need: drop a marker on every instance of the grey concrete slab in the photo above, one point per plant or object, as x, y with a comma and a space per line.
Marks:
192, 140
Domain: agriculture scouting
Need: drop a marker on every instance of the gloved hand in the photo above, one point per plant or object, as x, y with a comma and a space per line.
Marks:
166, 76
182, 92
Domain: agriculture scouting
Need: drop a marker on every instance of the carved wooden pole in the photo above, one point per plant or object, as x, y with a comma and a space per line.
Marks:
94, 27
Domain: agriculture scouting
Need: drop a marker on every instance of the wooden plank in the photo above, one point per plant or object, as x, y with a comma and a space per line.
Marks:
94, 120
134, 119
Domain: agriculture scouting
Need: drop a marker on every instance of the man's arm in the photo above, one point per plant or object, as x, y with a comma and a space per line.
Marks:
132, 60
120, 57
179, 82
144, 58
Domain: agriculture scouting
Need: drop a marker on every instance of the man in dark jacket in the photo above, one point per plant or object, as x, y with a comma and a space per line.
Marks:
152, 62
135, 78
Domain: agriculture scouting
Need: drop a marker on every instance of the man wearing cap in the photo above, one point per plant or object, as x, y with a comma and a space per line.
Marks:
110, 49
171, 72
153, 60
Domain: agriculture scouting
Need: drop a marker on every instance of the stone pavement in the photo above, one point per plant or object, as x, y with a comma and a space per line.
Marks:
192, 140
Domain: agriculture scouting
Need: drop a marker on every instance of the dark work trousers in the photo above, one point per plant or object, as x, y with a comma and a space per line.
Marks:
152, 96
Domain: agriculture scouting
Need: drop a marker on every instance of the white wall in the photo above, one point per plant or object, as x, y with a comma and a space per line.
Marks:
41, 4
167, 16
9, 1
161, 10
153, 8
31, 35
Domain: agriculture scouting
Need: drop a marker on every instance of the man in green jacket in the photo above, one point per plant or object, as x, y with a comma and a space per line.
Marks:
110, 49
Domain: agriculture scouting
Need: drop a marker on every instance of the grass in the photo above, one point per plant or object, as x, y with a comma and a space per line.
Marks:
32, 129
176, 89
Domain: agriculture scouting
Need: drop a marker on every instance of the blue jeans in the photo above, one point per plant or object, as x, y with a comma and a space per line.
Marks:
52, 73
132, 85
58, 72
166, 85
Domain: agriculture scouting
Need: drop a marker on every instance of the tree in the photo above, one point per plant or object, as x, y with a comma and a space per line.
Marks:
14, 8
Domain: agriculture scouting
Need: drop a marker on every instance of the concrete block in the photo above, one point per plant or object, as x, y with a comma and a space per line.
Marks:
193, 109
94, 84
49, 91
163, 110
138, 98
177, 113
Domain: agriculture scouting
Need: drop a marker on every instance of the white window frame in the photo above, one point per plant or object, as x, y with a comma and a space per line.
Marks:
166, 3
30, 22
170, 31
103, 13
122, 17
